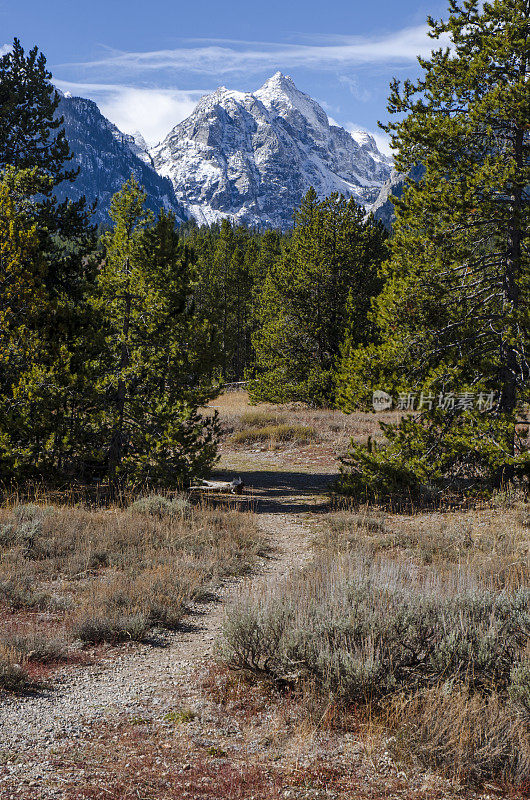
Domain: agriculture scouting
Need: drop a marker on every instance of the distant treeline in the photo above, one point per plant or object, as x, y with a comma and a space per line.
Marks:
281, 306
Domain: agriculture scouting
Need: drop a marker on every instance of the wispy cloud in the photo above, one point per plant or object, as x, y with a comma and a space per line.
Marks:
362, 94
153, 112
216, 57
4, 48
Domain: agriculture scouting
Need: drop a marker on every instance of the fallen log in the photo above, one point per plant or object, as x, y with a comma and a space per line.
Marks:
234, 487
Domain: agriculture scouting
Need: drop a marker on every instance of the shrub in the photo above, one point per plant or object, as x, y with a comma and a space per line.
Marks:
38, 647
18, 592
425, 456
262, 419
368, 630
95, 629
440, 654
159, 506
279, 433
13, 676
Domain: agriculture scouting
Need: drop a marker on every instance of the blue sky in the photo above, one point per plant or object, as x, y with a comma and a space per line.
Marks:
147, 63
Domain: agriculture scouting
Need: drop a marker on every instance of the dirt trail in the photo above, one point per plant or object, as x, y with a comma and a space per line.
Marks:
143, 676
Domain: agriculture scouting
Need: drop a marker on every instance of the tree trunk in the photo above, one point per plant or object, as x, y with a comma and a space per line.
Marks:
509, 360
116, 442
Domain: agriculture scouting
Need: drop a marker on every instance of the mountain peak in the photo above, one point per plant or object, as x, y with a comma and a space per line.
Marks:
279, 80
279, 87
252, 156
280, 95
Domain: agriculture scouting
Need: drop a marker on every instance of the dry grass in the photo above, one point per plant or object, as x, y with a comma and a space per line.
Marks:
332, 428
72, 573
300, 434
492, 543
262, 419
423, 621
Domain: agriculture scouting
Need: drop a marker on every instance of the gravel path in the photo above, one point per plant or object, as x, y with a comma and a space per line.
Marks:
139, 676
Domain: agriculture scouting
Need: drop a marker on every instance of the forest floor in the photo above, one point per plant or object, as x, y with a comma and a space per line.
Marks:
161, 720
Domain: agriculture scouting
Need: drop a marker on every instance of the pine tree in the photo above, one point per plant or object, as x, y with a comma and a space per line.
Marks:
156, 362
45, 349
225, 281
32, 135
320, 287
453, 316
22, 299
44, 379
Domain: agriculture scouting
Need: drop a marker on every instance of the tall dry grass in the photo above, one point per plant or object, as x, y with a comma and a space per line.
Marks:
74, 573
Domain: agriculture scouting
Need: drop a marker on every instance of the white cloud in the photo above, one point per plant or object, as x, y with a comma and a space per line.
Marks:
153, 112
4, 48
362, 94
222, 57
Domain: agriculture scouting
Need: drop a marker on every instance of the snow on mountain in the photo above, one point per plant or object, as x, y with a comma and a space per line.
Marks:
252, 156
383, 208
139, 147
107, 158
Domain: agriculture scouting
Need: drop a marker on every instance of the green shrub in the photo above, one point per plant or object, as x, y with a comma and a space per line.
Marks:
159, 506
425, 456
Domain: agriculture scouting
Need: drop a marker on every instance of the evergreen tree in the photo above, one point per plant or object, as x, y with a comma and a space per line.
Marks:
224, 292
156, 362
317, 290
31, 135
453, 316
43, 375
44, 380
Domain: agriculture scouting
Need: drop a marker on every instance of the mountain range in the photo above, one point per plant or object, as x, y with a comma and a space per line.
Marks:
107, 158
247, 156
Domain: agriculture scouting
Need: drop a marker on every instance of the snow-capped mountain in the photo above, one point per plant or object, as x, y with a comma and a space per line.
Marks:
383, 208
252, 156
139, 147
107, 158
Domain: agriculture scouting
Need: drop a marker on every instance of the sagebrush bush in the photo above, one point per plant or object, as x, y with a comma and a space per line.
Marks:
108, 626
160, 506
366, 630
35, 646
423, 620
17, 591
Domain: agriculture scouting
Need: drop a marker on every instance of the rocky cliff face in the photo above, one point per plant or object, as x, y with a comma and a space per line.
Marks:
383, 208
252, 157
107, 158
